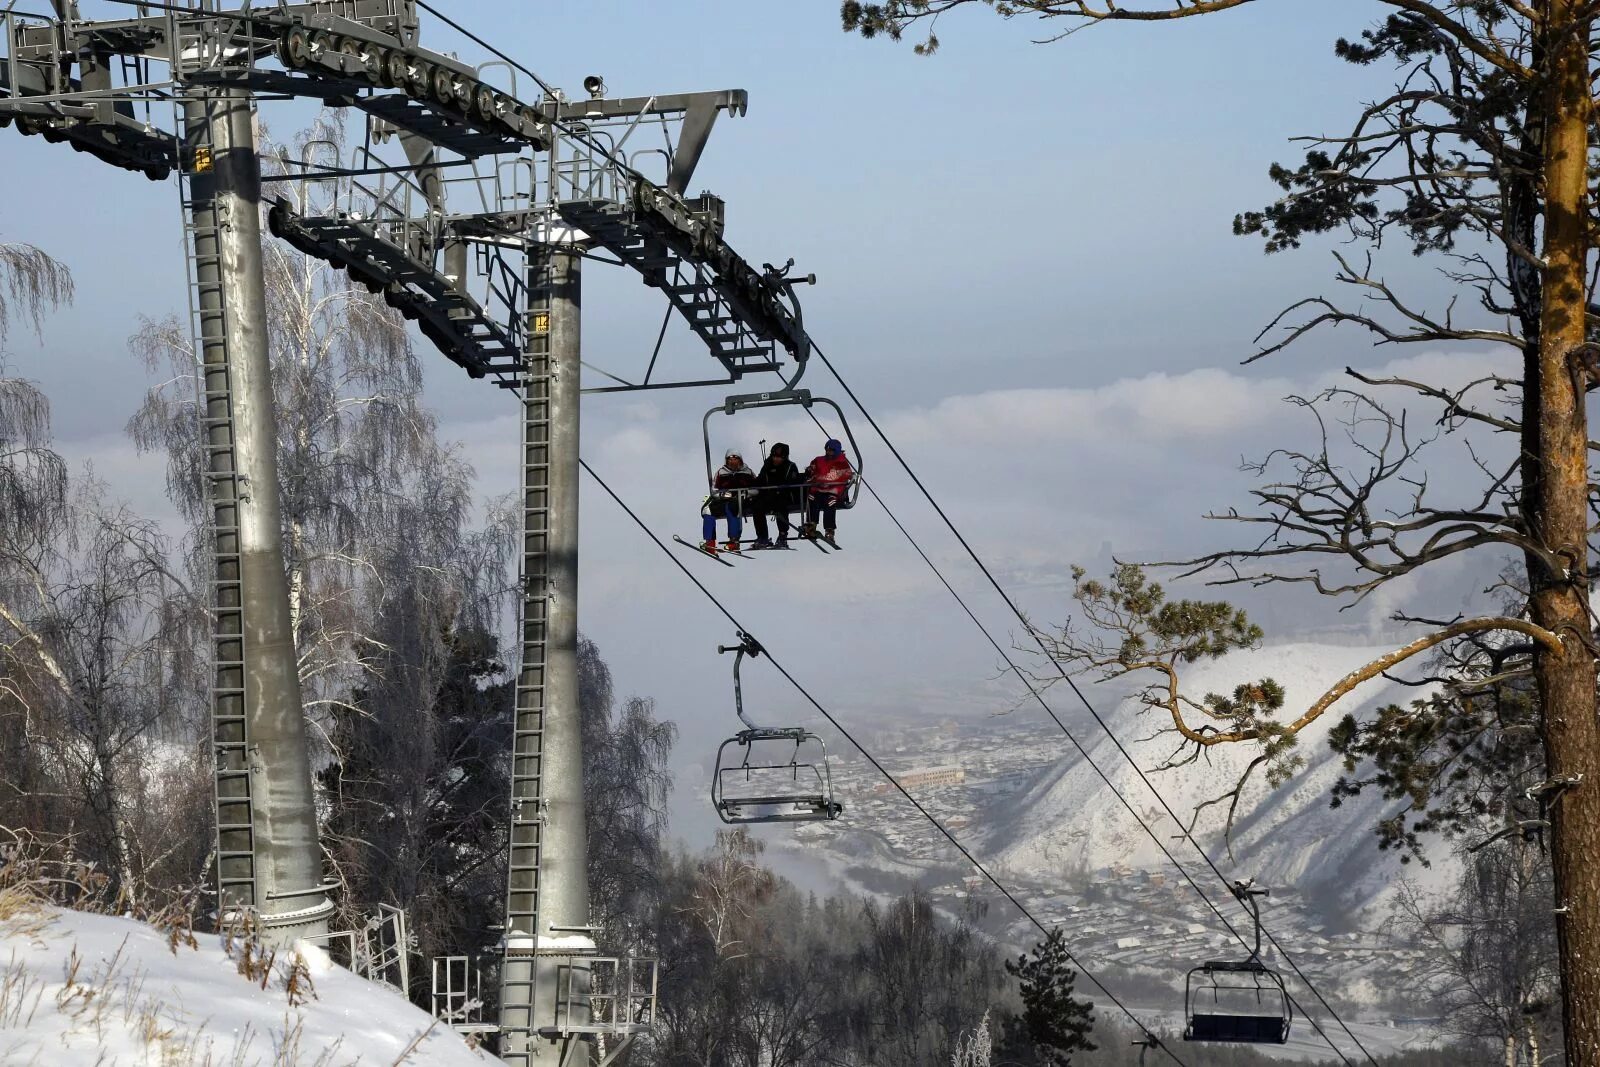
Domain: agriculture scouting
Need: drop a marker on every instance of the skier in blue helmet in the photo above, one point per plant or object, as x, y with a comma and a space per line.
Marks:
828, 480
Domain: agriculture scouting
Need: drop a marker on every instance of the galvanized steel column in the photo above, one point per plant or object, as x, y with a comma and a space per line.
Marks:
548, 939
251, 586
564, 934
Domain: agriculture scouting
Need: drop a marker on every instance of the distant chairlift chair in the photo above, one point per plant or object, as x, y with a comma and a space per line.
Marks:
1238, 1001
764, 778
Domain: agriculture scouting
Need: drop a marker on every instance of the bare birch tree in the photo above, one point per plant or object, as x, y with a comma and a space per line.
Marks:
1488, 949
356, 443
99, 662
626, 782
33, 480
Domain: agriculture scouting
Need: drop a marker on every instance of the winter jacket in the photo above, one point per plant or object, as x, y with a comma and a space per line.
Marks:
727, 480
779, 482
830, 475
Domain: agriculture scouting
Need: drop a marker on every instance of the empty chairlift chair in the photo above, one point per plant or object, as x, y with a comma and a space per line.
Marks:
1241, 1001
768, 773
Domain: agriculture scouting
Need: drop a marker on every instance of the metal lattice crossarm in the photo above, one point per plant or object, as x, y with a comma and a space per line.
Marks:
39, 94
364, 54
449, 317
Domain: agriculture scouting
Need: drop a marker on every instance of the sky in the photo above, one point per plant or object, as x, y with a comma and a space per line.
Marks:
1025, 268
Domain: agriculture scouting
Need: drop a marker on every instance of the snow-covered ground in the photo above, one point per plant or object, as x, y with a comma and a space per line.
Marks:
80, 990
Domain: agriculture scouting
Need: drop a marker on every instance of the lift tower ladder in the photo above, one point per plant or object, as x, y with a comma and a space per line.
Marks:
235, 808
518, 1023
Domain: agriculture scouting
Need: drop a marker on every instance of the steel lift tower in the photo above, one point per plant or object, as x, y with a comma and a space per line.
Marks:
267, 857
475, 196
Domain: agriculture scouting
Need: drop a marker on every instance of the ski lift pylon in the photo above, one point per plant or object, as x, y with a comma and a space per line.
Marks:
764, 778
1248, 1003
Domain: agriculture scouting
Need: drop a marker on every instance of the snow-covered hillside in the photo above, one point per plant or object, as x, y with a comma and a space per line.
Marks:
1071, 825
80, 990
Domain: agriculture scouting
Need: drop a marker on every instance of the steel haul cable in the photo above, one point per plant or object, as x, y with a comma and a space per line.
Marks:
1118, 793
1044, 650
859, 747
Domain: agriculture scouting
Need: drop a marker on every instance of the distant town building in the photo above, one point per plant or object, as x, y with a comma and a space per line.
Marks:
933, 777
927, 778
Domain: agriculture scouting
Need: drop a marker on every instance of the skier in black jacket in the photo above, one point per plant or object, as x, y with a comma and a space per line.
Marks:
779, 493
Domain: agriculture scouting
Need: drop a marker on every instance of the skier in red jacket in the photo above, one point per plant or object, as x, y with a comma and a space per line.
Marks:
828, 479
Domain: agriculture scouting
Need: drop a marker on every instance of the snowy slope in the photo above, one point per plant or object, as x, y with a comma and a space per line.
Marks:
1069, 825
132, 1002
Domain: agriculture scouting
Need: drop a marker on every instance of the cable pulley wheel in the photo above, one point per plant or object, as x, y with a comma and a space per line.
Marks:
644, 197
444, 86
396, 71
295, 48
483, 105
506, 113
419, 79
527, 120
372, 62
706, 243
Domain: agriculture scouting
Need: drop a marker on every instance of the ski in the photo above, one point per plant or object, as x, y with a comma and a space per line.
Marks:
703, 552
771, 548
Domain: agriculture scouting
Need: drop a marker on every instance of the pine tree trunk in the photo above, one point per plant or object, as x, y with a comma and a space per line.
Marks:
1559, 521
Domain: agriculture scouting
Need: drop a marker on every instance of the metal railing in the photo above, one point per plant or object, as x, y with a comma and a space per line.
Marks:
614, 994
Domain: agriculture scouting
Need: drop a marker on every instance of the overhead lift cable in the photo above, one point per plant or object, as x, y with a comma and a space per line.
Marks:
881, 769
1098, 770
1118, 793
1044, 650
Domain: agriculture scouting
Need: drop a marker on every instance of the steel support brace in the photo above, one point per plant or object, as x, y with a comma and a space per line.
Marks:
547, 898
268, 857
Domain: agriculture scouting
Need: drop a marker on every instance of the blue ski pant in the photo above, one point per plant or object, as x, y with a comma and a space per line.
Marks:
721, 509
